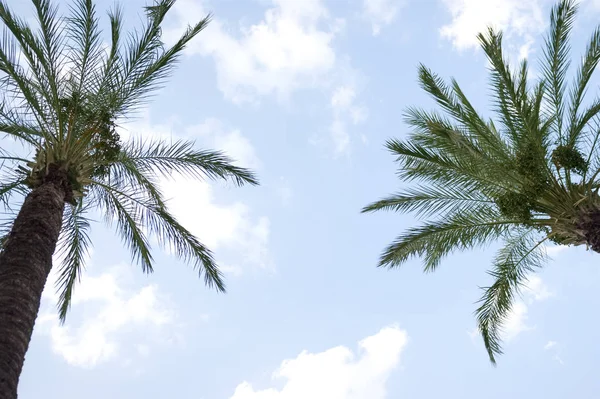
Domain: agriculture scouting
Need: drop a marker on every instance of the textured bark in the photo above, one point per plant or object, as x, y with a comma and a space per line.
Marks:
25, 264
589, 226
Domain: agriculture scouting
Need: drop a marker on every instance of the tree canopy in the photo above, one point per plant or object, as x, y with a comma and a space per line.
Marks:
63, 93
527, 177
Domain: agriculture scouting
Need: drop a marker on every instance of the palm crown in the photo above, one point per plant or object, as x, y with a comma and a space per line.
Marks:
63, 93
527, 177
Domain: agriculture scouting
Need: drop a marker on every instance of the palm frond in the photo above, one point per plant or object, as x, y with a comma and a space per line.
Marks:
86, 51
521, 254
73, 249
5, 227
440, 134
52, 41
126, 215
5, 156
105, 82
592, 141
140, 194
10, 187
586, 116
17, 123
454, 102
182, 158
434, 240
427, 201
419, 163
185, 246
556, 56
125, 175
146, 63
17, 81
510, 102
537, 117
151, 76
584, 74
19, 131
36, 84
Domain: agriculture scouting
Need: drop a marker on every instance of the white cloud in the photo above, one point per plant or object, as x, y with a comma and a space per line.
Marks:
290, 49
95, 336
217, 225
337, 373
381, 12
210, 134
515, 323
213, 134
525, 49
519, 19
555, 250
536, 289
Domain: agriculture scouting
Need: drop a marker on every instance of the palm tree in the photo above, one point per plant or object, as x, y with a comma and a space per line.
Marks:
528, 178
63, 92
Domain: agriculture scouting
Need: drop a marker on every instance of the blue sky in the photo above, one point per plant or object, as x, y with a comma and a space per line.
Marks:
306, 92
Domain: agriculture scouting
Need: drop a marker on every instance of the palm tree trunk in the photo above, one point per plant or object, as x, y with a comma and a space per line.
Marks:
25, 264
588, 226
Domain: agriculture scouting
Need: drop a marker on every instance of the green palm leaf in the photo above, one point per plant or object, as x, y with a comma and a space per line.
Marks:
521, 255
181, 157
434, 240
73, 249
557, 59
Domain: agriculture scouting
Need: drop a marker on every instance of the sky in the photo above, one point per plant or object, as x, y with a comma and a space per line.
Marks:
305, 92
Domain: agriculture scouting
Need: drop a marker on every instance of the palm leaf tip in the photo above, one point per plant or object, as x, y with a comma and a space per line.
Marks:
203, 261
185, 245
373, 207
392, 144
220, 165
243, 176
213, 277
492, 345
488, 325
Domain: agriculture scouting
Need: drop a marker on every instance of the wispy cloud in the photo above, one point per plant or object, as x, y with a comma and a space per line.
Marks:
381, 13
549, 345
